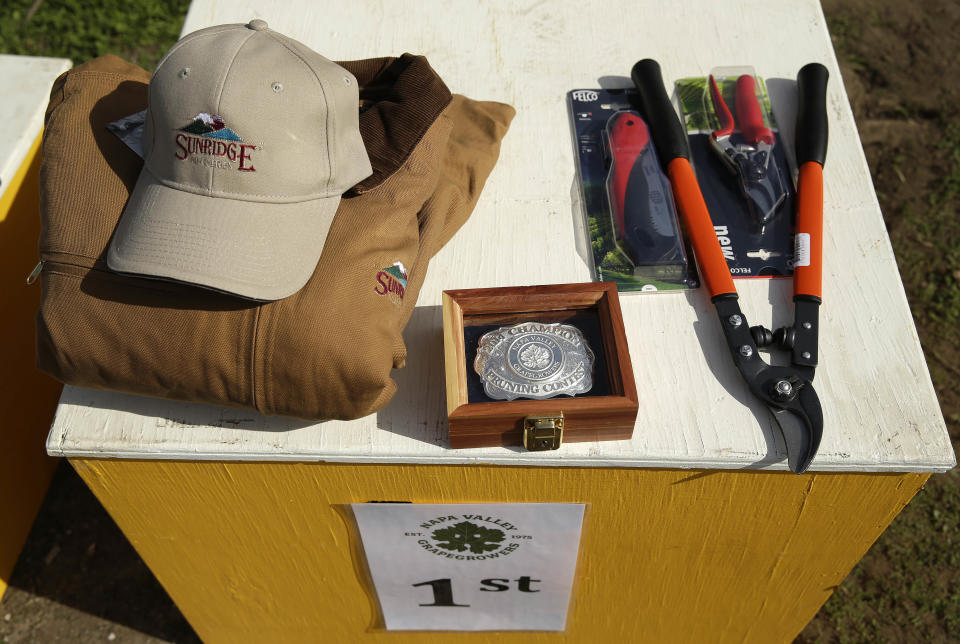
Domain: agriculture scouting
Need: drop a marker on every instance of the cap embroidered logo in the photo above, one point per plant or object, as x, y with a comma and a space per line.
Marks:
208, 141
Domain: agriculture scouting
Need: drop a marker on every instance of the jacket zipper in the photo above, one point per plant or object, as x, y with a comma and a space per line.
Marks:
35, 273
76, 261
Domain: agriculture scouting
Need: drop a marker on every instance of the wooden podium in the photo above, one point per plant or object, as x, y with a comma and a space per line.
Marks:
694, 529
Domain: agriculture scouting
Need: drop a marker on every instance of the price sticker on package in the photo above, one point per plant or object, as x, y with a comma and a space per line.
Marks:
472, 567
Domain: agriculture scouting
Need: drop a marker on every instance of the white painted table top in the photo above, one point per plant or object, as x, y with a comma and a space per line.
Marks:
25, 89
880, 410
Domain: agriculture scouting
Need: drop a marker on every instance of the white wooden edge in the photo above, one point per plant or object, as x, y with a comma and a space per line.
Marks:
506, 460
25, 90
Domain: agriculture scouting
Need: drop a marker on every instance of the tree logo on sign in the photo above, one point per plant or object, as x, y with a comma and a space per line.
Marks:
469, 537
465, 536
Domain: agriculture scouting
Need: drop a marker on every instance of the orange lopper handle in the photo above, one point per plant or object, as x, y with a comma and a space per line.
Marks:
811, 154
674, 152
710, 259
808, 244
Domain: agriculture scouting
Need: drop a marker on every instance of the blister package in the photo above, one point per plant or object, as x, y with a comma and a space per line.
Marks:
632, 228
743, 169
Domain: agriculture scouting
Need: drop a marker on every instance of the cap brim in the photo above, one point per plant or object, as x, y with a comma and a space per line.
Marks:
261, 251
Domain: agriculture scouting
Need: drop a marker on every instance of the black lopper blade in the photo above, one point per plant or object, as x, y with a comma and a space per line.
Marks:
801, 425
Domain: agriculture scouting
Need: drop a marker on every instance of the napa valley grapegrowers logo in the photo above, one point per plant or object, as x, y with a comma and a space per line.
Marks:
469, 537
392, 282
208, 141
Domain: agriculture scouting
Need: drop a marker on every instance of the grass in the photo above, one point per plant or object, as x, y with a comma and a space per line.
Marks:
140, 31
938, 296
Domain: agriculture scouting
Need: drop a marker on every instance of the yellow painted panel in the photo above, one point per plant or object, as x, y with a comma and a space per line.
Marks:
28, 398
262, 552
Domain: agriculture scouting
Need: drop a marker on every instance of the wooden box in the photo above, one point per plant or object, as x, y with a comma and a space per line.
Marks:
607, 412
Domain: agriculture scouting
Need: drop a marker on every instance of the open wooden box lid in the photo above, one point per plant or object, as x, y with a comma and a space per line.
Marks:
607, 412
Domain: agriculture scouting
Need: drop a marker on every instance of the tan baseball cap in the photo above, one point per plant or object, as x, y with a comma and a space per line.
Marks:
250, 140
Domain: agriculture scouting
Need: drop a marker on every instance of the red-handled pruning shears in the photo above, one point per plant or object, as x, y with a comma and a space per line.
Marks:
749, 152
787, 390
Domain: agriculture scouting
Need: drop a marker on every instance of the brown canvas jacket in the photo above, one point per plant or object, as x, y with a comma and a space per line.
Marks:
325, 352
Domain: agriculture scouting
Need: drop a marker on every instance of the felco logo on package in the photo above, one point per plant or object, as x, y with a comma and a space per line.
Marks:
585, 95
208, 141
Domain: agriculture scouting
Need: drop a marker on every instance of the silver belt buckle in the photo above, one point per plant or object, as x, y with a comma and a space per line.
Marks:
534, 360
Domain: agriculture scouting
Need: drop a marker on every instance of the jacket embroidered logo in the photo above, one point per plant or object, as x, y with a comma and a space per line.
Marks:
392, 282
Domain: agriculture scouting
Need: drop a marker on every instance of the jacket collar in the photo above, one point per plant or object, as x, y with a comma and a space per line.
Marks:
400, 98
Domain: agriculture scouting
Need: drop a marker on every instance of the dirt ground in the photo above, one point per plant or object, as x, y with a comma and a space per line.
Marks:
79, 580
899, 62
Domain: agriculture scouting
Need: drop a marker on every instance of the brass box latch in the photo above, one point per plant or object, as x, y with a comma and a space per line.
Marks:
542, 432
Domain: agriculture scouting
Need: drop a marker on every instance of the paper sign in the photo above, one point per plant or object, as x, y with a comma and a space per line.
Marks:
472, 567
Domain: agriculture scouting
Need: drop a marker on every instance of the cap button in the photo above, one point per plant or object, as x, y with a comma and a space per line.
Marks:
257, 25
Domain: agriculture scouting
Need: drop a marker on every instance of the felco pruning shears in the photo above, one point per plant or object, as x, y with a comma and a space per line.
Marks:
748, 150
787, 390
